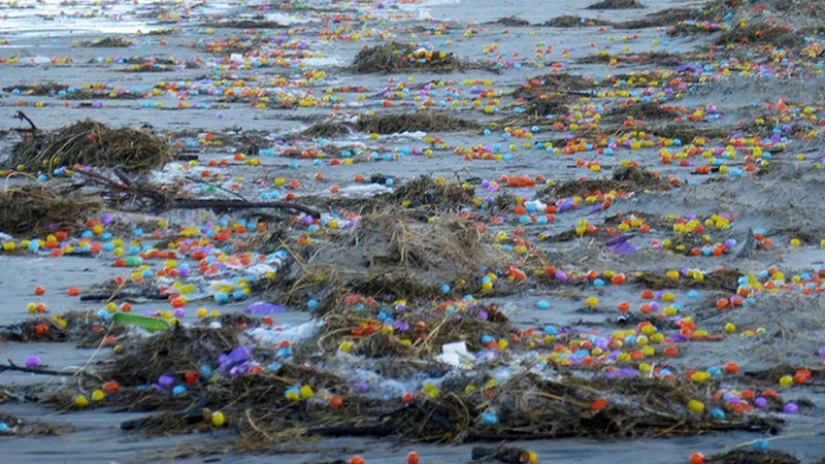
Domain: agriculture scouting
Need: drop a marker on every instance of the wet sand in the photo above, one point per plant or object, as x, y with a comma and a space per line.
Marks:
782, 202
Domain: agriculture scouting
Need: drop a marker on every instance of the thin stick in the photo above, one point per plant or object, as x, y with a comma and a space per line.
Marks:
780, 437
255, 427
14, 367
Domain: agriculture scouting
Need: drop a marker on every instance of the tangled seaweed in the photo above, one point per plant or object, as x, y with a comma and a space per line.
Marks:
173, 352
778, 36
625, 179
574, 21
108, 42
395, 57
425, 121
388, 255
531, 408
615, 5
44, 208
90, 143
741, 456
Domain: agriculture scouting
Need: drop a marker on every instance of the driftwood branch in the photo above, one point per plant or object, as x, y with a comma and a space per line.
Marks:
123, 296
15, 368
22, 116
126, 184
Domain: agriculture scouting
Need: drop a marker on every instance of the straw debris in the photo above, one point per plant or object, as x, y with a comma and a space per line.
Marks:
389, 255
90, 143
47, 208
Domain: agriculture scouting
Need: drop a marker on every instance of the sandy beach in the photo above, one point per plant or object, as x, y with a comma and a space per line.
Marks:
612, 212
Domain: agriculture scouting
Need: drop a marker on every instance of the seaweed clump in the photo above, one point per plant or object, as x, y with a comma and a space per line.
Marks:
425, 121
742, 456
44, 208
90, 143
663, 18
393, 57
644, 111
439, 194
574, 21
615, 5
391, 255
777, 36
173, 352
108, 42
625, 179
